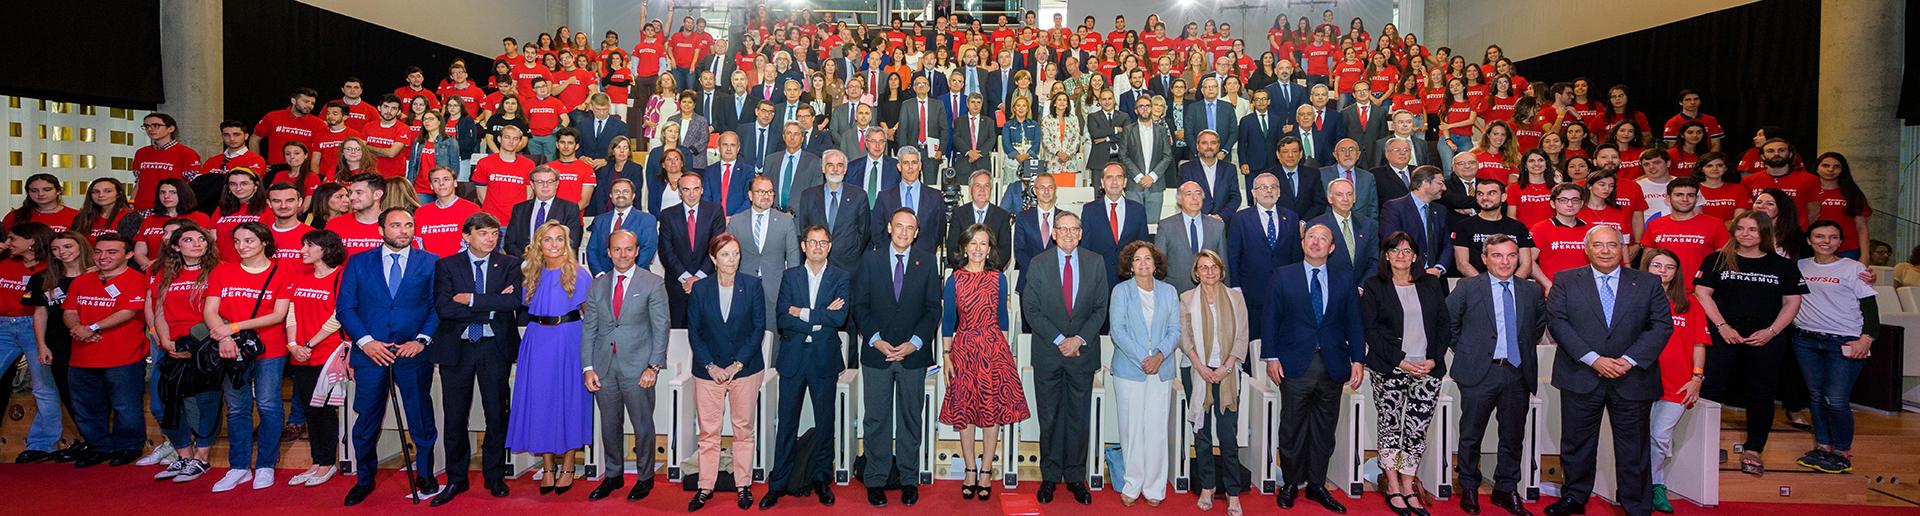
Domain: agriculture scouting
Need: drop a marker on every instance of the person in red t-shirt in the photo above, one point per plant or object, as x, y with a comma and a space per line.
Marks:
312, 338
1561, 240
648, 54
459, 87
244, 200
436, 225
177, 292
1603, 186
245, 295
359, 112
285, 200
233, 154
326, 143
686, 48
501, 179
108, 366
416, 87
1838, 198
1718, 197
1682, 361
43, 204
576, 175
571, 84
1778, 157
1690, 111
165, 158
388, 139
528, 69
359, 229
291, 124
104, 210
1530, 199
544, 114
1686, 232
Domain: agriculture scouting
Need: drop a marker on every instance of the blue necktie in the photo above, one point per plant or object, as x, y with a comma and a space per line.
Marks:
393, 276
1511, 352
1313, 291
912, 198
1210, 114
833, 205
1273, 226
1606, 299
476, 330
540, 216
786, 180
760, 145
1193, 234
899, 274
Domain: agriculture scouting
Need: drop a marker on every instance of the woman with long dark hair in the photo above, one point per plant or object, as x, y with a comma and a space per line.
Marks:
106, 210
179, 285
69, 256
42, 204
328, 201
26, 253
1720, 192
1529, 200
1458, 119
171, 200
1789, 239
1750, 296
1840, 200
313, 339
1837, 324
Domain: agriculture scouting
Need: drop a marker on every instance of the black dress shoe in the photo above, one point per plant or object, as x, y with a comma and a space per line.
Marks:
745, 498
1080, 492
607, 487
877, 497
123, 457
498, 488
1511, 502
1565, 506
358, 494
909, 495
70, 453
1318, 493
1286, 495
824, 493
447, 495
90, 458
772, 499
1470, 501
32, 456
1045, 493
640, 489
699, 500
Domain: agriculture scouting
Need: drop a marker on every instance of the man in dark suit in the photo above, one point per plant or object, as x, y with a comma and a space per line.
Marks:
1133, 96
1495, 321
1365, 121
474, 292
839, 207
759, 136
623, 347
1104, 128
731, 176
1316, 145
791, 168
1146, 150
1287, 96
1421, 217
720, 63
1066, 304
1259, 238
1299, 182
732, 106
597, 128
623, 217
685, 230
386, 309
1033, 227
956, 101
1356, 239
1214, 176
874, 171
814, 139
1464, 181
897, 302
936, 81
985, 212
1259, 131
1314, 343
1392, 177
545, 206
811, 308
784, 112
999, 82
1212, 113
923, 120
913, 194
1402, 125
974, 139
1112, 221
1162, 83
1608, 364
1346, 159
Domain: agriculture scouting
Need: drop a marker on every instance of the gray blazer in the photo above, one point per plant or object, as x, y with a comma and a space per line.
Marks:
640, 327
806, 174
1172, 238
1159, 164
1470, 323
1366, 200
908, 133
696, 128
847, 139
779, 251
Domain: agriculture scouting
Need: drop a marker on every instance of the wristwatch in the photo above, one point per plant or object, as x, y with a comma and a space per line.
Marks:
94, 327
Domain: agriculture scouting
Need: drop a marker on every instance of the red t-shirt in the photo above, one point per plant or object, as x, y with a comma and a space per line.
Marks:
312, 304
224, 224
239, 290
181, 301
524, 73
1672, 131
1833, 206
326, 147
620, 86
286, 243
470, 96
1612, 216
152, 228
95, 299
383, 136
575, 94
574, 176
1348, 73
354, 235
1318, 55
1724, 201
280, 127
1460, 112
1676, 359
59, 221
1628, 196
686, 48
1492, 167
14, 273
543, 115
1499, 109
1383, 79
437, 230
1526, 136
359, 113
1801, 186
1692, 240
1561, 247
1532, 203
220, 163
153, 164
648, 54
506, 184
407, 93
423, 182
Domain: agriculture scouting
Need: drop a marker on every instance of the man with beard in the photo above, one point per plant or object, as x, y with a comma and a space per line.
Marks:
1490, 218
284, 125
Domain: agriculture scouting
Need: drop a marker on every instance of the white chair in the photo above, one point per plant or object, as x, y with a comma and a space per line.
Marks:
846, 410
1882, 276
1102, 408
676, 405
766, 410
1909, 299
1261, 453
1887, 297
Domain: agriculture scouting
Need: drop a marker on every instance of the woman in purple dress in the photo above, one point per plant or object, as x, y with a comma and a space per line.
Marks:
552, 412
983, 384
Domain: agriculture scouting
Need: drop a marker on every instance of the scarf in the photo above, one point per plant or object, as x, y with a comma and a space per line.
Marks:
1210, 344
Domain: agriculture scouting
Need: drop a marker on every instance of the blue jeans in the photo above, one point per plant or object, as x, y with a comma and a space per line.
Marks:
152, 370
1830, 376
541, 148
244, 439
16, 340
106, 406
1446, 153
199, 422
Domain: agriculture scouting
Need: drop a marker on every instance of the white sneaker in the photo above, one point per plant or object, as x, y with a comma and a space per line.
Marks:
173, 469
232, 480
323, 476
262, 478
193, 470
162, 452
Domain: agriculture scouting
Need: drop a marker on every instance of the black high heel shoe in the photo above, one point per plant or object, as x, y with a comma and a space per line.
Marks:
967, 491
985, 489
562, 489
546, 484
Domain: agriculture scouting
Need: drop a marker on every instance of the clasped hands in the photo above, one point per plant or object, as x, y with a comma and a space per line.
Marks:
1609, 367
382, 353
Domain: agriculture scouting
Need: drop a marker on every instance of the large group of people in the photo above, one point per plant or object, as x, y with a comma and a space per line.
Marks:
533, 233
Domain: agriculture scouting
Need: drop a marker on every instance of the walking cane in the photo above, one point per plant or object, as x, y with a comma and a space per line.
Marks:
406, 455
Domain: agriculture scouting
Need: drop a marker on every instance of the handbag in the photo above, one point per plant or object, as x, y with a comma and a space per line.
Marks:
249, 340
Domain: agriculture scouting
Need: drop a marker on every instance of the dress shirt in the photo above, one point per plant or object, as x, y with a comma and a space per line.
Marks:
1502, 341
897, 256
480, 262
1612, 278
1062, 264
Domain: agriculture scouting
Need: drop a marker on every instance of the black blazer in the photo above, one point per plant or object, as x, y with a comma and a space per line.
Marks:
503, 312
849, 231
519, 232
1309, 199
1384, 318
1473, 331
1388, 183
998, 220
677, 255
915, 314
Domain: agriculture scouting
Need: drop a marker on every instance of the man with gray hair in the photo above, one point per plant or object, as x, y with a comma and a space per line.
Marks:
838, 206
911, 193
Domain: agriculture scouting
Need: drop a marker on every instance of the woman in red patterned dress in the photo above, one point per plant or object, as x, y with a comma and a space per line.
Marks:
983, 385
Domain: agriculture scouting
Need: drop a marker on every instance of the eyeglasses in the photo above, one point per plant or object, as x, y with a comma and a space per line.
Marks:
1400, 250
1566, 199
152, 126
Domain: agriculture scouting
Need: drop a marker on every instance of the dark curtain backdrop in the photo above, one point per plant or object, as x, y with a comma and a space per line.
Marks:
68, 51
1753, 65
276, 46
1910, 82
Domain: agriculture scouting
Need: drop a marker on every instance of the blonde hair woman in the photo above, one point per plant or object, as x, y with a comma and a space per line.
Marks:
552, 412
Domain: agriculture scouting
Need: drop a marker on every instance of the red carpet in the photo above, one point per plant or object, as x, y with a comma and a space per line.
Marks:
57, 489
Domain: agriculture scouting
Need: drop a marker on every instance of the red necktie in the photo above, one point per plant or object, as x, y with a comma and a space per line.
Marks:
1046, 231
726, 179
1066, 285
1113, 219
1319, 120
973, 132
692, 242
619, 298
619, 221
1363, 117
923, 122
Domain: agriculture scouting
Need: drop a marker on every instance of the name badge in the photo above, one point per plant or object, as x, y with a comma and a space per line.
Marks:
113, 291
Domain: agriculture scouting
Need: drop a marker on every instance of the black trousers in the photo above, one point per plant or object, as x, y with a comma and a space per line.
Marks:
1579, 446
1210, 472
1503, 396
794, 390
1063, 396
1309, 412
477, 365
1750, 377
323, 423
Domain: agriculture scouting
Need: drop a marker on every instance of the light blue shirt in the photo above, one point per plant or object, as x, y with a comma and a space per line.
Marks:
1501, 340
909, 193
1613, 278
1061, 263
898, 256
1309, 268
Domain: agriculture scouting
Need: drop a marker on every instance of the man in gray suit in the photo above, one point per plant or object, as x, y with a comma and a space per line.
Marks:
974, 139
1346, 159
1147, 153
1066, 303
1495, 321
841, 116
769, 245
1403, 123
626, 308
1104, 128
923, 121
1365, 119
1185, 234
792, 169
852, 135
1608, 364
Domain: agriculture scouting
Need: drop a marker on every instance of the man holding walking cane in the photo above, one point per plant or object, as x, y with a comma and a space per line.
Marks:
386, 310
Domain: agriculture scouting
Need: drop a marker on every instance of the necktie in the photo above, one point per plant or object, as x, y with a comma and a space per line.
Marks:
1403, 177
786, 180
707, 104
1273, 229
693, 242
619, 221
1306, 143
912, 198
1346, 233
393, 276
619, 293
923, 122
1363, 117
1066, 284
954, 106
833, 205
760, 145
873, 82
1513, 322
1046, 230
1113, 219
790, 109
1314, 291
1210, 113
973, 132
873, 182
899, 274
1263, 123
599, 126
1319, 119
540, 216
476, 331
1606, 299
759, 230
1193, 234
726, 180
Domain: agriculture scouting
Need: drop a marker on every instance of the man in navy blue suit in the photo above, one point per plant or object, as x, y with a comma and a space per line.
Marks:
1259, 238
1215, 177
597, 127
1258, 132
1211, 113
685, 230
1286, 95
474, 293
1316, 142
624, 215
1106, 234
1314, 343
758, 135
1418, 214
1356, 238
1033, 227
386, 308
730, 176
1299, 182
874, 171
812, 308
913, 194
